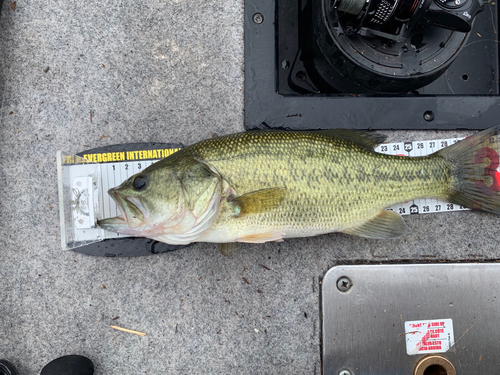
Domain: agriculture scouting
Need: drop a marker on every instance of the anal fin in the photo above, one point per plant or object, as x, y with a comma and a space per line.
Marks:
386, 225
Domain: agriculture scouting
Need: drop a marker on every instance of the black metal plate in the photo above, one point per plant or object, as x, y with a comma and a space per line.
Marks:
474, 71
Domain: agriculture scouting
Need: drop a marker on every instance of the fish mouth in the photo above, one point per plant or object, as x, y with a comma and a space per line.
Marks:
131, 215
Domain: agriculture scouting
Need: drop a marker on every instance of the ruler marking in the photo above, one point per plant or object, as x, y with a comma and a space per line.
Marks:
104, 189
111, 182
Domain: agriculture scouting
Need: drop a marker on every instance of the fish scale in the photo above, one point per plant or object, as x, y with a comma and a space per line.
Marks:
332, 183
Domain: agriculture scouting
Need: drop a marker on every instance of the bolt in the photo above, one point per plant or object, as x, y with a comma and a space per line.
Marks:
344, 284
428, 115
301, 76
258, 18
345, 372
350, 31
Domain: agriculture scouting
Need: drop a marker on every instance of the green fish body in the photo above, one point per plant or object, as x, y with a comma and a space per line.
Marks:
264, 186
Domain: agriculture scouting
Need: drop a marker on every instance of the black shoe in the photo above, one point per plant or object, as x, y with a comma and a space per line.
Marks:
7, 368
69, 365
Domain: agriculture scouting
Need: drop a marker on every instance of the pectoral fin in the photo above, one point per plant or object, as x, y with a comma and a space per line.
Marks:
228, 249
386, 225
258, 201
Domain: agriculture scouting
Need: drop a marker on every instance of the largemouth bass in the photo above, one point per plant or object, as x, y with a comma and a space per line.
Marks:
261, 186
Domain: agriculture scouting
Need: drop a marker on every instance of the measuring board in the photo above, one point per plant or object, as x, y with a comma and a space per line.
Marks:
85, 179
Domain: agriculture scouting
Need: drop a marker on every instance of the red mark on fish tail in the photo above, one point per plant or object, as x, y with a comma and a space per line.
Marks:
490, 170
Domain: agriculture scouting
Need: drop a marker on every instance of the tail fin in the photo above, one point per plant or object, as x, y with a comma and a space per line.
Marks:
475, 181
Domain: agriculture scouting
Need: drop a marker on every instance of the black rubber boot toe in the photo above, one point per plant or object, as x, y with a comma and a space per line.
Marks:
69, 365
7, 368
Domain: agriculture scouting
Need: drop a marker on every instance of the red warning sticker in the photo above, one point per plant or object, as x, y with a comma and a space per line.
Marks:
429, 336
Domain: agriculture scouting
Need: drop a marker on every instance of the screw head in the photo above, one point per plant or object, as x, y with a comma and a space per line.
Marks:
428, 115
345, 372
258, 18
344, 284
350, 30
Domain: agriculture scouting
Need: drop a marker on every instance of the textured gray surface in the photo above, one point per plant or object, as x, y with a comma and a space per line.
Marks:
82, 74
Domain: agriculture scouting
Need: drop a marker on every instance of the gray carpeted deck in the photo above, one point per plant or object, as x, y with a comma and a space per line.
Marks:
77, 75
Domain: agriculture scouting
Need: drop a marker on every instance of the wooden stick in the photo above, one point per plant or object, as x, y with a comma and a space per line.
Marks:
128, 330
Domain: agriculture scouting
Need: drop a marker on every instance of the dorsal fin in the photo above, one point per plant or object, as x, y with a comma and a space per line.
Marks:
370, 140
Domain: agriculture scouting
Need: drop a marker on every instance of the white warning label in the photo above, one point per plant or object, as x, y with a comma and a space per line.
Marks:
429, 336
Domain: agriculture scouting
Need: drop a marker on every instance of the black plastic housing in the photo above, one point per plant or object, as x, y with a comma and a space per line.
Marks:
285, 85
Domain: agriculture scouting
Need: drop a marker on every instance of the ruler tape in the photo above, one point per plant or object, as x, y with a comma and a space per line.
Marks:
83, 187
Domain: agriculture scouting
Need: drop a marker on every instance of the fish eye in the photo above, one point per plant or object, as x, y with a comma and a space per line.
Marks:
139, 183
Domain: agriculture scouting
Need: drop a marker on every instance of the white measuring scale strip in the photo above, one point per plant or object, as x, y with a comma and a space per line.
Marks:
83, 187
